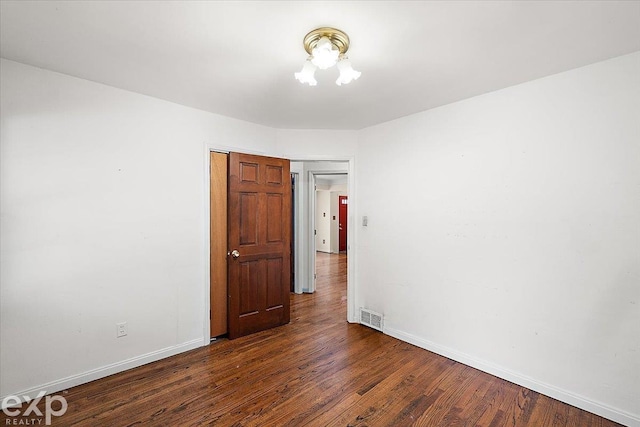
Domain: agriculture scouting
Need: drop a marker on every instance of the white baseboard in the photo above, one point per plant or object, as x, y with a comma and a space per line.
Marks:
104, 371
619, 416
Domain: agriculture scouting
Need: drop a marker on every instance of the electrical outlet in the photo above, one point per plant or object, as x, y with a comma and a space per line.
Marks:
121, 329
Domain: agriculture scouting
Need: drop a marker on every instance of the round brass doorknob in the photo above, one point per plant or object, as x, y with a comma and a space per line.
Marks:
235, 254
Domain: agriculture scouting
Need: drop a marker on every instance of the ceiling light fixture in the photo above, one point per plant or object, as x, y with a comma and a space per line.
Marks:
326, 47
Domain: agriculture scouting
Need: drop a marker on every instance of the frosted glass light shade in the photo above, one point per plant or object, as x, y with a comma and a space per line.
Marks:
347, 73
326, 47
324, 55
306, 74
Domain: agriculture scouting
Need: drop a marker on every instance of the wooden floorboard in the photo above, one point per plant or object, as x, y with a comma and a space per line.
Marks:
316, 371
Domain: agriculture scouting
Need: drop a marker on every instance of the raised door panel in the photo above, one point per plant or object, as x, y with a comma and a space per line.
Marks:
275, 204
249, 286
260, 229
249, 172
248, 218
275, 175
275, 295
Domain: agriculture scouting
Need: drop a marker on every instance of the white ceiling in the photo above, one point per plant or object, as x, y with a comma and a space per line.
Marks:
237, 58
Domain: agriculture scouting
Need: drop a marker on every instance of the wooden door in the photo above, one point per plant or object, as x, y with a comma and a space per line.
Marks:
259, 234
343, 202
219, 293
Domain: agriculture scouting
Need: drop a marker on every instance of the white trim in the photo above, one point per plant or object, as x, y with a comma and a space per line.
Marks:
206, 244
352, 239
562, 395
312, 233
226, 149
104, 371
297, 237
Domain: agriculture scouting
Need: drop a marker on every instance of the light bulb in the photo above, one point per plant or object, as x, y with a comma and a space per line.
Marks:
306, 74
324, 55
347, 73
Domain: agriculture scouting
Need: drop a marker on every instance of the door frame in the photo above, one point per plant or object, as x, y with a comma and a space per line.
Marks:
295, 220
311, 275
298, 235
351, 231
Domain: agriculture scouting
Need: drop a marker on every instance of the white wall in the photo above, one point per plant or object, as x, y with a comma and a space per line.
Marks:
296, 144
504, 231
336, 186
323, 220
102, 221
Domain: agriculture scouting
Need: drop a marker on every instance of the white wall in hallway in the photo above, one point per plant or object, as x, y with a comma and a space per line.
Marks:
323, 220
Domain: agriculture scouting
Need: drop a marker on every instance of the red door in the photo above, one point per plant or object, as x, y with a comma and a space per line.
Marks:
259, 229
343, 202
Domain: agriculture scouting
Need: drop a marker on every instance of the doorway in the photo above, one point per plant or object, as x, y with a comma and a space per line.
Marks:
330, 225
327, 181
343, 202
303, 250
331, 194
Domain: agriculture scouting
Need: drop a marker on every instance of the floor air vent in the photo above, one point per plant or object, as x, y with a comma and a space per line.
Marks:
371, 319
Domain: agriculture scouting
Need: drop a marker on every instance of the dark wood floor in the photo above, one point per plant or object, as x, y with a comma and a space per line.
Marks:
317, 371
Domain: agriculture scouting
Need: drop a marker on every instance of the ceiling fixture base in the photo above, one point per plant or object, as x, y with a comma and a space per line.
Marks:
338, 38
